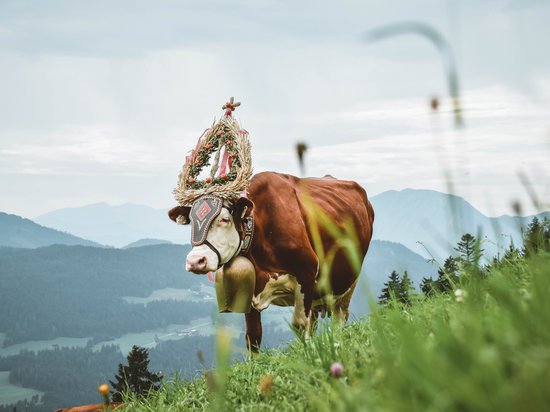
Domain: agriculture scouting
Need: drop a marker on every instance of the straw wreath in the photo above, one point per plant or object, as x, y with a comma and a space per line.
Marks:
227, 184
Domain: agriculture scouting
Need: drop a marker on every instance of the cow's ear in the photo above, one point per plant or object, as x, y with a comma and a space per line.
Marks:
242, 208
180, 214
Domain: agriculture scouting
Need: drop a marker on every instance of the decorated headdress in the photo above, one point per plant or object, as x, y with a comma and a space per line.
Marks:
231, 170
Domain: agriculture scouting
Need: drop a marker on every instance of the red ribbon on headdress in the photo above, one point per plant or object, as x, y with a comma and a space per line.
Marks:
194, 151
225, 160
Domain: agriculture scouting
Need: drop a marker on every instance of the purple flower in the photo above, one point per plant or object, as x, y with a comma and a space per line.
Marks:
336, 369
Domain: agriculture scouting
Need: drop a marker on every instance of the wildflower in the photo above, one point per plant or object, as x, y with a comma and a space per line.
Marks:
336, 370
460, 295
103, 389
266, 384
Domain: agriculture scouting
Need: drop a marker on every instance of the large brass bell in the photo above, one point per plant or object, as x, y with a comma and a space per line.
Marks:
235, 282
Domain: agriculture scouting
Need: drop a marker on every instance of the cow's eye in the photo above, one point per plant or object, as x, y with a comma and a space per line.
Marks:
225, 219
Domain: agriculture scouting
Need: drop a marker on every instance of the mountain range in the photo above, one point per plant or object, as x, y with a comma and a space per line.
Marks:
116, 226
427, 222
430, 223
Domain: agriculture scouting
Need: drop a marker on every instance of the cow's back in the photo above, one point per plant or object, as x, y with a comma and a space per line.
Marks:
281, 203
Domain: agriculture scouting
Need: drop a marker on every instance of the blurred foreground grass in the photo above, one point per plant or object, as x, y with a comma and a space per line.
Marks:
486, 350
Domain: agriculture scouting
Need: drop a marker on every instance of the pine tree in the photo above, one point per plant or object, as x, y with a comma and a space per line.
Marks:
469, 250
391, 289
537, 236
447, 275
428, 286
135, 377
398, 288
405, 290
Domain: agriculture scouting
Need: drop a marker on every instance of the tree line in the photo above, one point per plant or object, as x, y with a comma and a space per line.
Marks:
400, 289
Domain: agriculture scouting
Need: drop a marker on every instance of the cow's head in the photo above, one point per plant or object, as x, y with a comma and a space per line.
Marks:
215, 231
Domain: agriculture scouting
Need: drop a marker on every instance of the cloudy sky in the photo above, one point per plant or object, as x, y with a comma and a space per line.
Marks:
100, 101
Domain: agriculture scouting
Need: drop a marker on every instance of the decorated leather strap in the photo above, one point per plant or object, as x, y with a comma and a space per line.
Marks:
247, 234
202, 214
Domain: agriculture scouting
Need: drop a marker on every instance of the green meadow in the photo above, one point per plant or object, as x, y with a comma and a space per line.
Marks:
483, 348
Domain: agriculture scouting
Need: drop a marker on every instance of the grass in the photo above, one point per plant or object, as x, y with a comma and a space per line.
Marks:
490, 352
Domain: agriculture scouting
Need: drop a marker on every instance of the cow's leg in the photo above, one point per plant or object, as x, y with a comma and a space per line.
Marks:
306, 276
308, 287
313, 322
299, 318
306, 324
253, 330
341, 308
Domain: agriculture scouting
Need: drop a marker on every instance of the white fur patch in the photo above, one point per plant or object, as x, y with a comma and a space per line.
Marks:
285, 291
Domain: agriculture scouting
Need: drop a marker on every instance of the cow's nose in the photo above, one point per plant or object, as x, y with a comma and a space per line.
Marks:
195, 263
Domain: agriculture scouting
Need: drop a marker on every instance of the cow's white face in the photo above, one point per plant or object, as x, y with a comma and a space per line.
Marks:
223, 236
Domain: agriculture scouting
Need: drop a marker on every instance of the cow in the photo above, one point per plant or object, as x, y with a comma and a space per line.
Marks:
281, 247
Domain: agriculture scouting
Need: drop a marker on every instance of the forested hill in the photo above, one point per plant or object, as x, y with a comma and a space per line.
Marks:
77, 291
16, 231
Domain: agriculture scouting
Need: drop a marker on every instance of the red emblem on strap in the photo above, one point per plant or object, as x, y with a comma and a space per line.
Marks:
203, 211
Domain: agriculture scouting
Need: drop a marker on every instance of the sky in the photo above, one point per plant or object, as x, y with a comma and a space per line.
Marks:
101, 101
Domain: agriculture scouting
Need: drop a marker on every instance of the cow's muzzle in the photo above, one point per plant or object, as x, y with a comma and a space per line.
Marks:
196, 264
199, 262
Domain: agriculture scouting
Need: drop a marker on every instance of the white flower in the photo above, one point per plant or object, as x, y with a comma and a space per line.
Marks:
460, 295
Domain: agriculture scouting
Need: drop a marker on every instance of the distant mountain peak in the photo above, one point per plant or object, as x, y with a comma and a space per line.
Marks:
118, 225
147, 242
19, 232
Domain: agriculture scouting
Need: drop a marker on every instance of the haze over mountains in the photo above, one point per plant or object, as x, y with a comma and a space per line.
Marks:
116, 225
410, 216
438, 220
16, 231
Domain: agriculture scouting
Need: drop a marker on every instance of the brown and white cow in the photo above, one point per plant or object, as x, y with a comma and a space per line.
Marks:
281, 249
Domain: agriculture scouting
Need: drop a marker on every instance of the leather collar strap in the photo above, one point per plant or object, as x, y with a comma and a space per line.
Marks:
247, 233
211, 246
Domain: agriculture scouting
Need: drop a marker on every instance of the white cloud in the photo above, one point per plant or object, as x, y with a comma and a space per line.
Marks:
93, 150
117, 93
505, 134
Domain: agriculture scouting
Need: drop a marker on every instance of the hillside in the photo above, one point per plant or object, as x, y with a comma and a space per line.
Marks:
487, 351
19, 232
33, 306
69, 313
116, 225
140, 295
